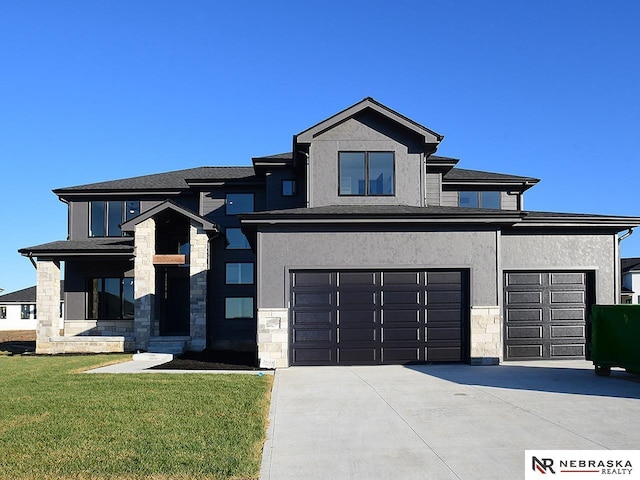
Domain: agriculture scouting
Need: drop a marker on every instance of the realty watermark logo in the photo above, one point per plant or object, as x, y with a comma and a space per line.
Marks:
562, 464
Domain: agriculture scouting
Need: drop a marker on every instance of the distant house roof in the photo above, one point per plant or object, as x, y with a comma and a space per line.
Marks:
175, 180
630, 264
26, 295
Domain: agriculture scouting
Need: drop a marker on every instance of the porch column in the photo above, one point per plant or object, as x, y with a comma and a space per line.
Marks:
198, 269
486, 335
145, 282
47, 304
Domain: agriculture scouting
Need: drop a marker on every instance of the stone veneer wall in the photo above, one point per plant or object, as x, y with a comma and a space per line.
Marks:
198, 268
74, 328
273, 337
47, 305
145, 282
486, 335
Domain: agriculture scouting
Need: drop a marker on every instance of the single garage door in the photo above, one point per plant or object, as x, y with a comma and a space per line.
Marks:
378, 317
546, 314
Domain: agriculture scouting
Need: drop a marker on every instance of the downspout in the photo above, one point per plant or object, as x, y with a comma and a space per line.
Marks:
618, 265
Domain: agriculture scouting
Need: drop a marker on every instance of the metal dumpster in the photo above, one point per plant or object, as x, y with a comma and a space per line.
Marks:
615, 338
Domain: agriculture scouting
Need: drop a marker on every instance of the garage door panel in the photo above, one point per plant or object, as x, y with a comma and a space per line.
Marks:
312, 279
567, 297
301, 317
523, 279
403, 279
568, 350
314, 356
400, 316
400, 334
524, 315
395, 299
436, 353
556, 327
400, 355
378, 317
318, 299
312, 335
567, 331
515, 352
560, 314
524, 332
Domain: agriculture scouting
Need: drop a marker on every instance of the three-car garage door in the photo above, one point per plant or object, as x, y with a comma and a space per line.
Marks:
378, 317
546, 314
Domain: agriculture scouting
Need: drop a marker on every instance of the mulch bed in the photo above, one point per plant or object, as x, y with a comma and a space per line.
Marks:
213, 360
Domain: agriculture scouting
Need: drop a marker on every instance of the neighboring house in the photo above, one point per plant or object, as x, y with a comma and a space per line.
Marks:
630, 280
361, 246
18, 309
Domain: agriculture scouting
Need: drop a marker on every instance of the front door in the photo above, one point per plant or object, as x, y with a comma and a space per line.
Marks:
173, 293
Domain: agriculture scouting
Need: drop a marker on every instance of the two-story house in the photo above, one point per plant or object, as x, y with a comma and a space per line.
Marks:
360, 246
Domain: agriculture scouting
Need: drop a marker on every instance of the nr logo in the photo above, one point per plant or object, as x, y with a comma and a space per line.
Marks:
542, 465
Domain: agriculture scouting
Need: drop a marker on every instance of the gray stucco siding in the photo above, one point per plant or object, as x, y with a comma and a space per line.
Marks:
281, 251
564, 251
323, 160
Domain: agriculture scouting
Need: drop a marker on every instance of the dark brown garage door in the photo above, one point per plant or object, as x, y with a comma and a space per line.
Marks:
545, 314
378, 317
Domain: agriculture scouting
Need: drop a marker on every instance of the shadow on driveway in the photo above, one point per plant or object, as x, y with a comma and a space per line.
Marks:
545, 377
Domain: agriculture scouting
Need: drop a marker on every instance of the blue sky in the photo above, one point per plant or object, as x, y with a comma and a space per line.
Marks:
101, 90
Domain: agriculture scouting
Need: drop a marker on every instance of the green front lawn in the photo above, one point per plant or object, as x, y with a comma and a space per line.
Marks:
57, 423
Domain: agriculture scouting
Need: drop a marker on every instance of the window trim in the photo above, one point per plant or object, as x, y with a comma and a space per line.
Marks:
366, 174
226, 202
253, 273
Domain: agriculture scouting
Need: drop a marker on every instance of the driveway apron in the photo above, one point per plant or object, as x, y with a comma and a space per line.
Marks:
442, 421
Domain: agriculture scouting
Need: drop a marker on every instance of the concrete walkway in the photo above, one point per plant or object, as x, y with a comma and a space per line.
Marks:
442, 421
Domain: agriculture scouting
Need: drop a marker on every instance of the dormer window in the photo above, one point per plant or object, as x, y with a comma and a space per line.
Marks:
366, 173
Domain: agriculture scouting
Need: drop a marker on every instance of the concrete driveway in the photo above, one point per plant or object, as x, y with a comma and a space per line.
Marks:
442, 421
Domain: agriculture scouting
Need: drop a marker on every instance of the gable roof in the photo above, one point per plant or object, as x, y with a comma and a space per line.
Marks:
368, 103
26, 295
177, 181
129, 226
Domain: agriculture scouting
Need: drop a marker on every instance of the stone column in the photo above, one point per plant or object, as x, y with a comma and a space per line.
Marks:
486, 336
145, 282
273, 337
198, 271
47, 304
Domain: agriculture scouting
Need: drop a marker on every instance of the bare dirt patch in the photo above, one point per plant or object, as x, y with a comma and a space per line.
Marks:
17, 341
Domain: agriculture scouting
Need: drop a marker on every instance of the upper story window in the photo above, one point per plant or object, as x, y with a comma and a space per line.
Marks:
479, 200
289, 188
367, 173
236, 239
105, 217
239, 203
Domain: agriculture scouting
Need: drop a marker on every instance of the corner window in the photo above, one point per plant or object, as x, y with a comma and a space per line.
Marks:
239, 203
110, 299
479, 200
366, 173
289, 188
239, 274
236, 239
238, 307
105, 217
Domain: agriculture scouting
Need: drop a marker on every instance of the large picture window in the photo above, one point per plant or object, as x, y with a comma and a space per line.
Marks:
366, 173
110, 299
105, 217
479, 200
